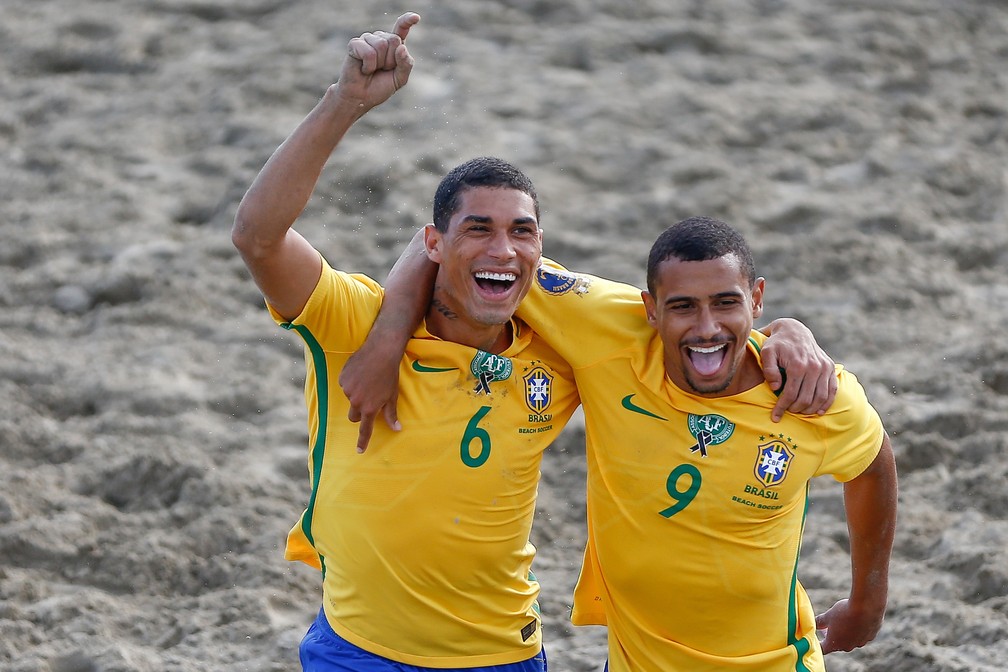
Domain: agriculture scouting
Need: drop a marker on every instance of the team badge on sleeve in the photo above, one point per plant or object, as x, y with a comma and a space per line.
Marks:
538, 389
555, 281
772, 462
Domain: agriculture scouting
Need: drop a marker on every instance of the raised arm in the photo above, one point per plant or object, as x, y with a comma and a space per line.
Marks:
283, 264
809, 379
370, 378
870, 503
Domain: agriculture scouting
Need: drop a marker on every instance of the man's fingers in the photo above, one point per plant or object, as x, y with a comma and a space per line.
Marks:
817, 393
771, 370
788, 397
774, 378
403, 68
382, 51
829, 396
364, 52
384, 45
391, 417
778, 410
364, 433
802, 396
404, 23
822, 623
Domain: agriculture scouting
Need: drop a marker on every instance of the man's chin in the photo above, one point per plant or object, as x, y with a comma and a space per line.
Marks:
708, 387
495, 318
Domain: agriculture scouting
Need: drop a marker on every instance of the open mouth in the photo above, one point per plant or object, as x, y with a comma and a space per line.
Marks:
707, 360
495, 283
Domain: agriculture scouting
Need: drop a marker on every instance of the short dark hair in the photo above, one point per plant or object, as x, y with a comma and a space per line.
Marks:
699, 239
483, 171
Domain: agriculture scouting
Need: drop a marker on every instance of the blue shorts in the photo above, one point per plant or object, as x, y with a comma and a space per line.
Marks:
322, 650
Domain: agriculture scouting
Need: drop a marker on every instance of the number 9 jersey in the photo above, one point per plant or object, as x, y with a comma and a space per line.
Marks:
696, 505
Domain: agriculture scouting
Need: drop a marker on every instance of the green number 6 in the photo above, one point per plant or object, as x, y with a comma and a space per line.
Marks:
682, 497
474, 432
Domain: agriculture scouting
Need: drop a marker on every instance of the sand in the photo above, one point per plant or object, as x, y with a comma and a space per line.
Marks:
152, 433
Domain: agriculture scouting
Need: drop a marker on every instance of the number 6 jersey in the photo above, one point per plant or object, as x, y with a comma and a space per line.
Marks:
423, 540
696, 505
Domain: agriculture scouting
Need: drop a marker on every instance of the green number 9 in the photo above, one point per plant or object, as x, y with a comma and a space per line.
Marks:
682, 497
474, 432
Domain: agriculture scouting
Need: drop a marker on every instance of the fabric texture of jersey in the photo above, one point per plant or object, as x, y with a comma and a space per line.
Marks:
696, 506
423, 540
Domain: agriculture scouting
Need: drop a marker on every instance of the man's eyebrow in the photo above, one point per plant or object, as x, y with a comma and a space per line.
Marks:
483, 219
719, 295
679, 299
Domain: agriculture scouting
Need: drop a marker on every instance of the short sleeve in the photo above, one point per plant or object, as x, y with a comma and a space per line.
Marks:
583, 317
853, 430
340, 310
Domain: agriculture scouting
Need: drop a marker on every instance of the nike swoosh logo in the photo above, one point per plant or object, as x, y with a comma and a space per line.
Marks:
420, 368
630, 406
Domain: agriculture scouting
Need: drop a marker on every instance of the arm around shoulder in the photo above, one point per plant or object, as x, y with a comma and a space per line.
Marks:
370, 378
794, 364
584, 317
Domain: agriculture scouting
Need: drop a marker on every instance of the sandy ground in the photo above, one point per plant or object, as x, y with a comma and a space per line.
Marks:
152, 435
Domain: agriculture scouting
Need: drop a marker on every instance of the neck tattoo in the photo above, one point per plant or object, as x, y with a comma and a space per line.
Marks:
444, 310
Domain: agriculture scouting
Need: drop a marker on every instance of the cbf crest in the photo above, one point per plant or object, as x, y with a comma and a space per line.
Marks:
538, 389
772, 462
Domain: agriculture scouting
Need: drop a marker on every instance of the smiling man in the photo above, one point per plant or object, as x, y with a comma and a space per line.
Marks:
487, 243
423, 542
703, 312
696, 500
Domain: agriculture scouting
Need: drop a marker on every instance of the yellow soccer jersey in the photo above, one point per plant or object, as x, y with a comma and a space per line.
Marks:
423, 541
696, 505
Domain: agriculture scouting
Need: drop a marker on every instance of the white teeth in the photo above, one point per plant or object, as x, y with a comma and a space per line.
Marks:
713, 348
502, 277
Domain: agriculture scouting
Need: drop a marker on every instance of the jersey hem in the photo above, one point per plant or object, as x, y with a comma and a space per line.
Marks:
448, 662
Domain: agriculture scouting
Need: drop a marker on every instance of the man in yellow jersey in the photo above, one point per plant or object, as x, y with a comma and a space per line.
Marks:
423, 541
696, 500
696, 497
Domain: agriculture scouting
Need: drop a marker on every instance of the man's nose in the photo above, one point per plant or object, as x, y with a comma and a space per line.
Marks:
502, 247
707, 325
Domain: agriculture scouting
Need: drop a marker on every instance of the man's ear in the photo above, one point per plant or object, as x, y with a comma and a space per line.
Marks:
650, 308
757, 297
432, 243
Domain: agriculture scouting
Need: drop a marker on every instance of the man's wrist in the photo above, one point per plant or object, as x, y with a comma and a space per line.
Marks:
339, 105
387, 341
